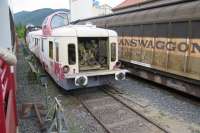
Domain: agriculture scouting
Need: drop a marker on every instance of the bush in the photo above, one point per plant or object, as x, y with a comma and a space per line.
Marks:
20, 29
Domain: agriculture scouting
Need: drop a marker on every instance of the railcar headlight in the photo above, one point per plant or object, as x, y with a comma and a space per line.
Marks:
81, 81
66, 69
120, 76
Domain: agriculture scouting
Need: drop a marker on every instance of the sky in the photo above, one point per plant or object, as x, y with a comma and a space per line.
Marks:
30, 5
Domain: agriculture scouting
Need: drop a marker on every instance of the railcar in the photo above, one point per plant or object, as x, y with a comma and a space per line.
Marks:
76, 56
160, 41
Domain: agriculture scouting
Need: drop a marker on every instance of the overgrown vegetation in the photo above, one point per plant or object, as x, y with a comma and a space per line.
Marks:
20, 29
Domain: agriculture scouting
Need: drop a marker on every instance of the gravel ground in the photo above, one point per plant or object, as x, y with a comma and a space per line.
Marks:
184, 111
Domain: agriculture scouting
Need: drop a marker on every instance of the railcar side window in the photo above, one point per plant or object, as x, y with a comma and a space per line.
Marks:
35, 41
113, 51
51, 49
57, 52
42, 45
71, 54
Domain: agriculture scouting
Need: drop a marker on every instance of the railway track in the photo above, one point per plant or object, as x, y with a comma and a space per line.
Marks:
116, 116
104, 109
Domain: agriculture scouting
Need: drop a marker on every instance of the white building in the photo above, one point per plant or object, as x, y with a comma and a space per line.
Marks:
81, 9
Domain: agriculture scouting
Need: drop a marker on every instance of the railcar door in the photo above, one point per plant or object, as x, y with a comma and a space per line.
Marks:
71, 59
51, 56
46, 54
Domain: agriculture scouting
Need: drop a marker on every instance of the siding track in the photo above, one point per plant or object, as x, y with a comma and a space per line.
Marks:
114, 115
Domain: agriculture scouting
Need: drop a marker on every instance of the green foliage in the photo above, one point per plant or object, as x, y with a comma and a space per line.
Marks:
20, 29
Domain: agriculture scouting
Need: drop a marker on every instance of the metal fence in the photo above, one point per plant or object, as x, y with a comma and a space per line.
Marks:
8, 113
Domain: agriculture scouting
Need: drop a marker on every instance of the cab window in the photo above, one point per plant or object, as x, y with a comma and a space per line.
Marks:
58, 21
71, 54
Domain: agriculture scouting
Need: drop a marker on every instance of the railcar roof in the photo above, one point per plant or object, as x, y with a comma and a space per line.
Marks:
79, 31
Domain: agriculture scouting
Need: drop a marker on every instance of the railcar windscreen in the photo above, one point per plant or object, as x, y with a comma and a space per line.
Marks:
93, 53
59, 20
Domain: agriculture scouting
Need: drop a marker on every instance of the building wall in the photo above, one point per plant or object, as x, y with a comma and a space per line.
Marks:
81, 9
105, 10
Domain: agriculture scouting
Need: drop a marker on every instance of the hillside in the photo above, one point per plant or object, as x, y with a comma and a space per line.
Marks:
34, 17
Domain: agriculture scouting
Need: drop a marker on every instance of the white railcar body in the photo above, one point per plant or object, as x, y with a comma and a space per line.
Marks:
77, 55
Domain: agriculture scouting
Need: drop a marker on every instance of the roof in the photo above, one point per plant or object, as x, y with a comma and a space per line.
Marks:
162, 11
127, 3
78, 31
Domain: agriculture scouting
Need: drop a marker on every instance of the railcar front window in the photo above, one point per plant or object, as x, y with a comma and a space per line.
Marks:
59, 21
71, 54
113, 51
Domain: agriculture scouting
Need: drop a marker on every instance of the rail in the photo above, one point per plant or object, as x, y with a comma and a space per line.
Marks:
8, 117
156, 124
94, 108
